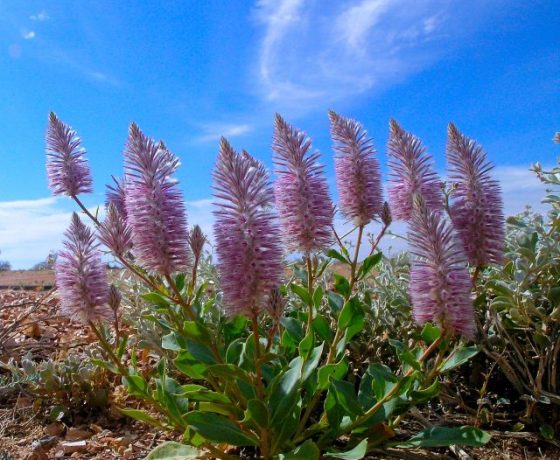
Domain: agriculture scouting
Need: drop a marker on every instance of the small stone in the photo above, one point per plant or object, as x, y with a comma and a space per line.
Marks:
70, 447
54, 429
77, 434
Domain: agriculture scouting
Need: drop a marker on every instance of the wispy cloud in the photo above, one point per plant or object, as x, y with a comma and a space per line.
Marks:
323, 51
28, 34
212, 132
40, 17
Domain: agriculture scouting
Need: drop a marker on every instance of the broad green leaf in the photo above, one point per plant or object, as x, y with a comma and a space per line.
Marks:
322, 328
312, 361
196, 331
301, 292
318, 296
350, 309
336, 301
284, 391
336, 371
404, 354
368, 263
346, 397
189, 366
174, 342
430, 333
293, 327
141, 415
306, 344
257, 412
441, 436
217, 428
341, 285
172, 450
136, 384
156, 299
357, 453
307, 451
458, 357
334, 254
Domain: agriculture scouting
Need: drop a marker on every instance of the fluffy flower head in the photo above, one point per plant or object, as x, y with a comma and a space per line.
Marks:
477, 207
81, 277
357, 170
67, 168
246, 232
440, 284
411, 175
115, 233
301, 191
154, 205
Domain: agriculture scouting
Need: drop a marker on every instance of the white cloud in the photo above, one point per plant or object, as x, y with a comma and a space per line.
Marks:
28, 34
40, 17
319, 52
30, 229
213, 131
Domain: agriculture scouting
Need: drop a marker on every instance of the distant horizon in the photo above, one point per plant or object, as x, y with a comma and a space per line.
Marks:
190, 72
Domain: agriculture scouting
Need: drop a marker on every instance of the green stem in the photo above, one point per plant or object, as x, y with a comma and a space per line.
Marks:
379, 404
378, 239
310, 289
355, 260
86, 211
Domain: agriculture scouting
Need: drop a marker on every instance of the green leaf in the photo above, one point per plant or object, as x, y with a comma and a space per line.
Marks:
301, 292
174, 342
350, 309
284, 390
335, 301
424, 395
156, 299
218, 428
346, 397
189, 366
430, 333
257, 412
172, 450
294, 328
460, 356
306, 345
368, 263
196, 331
307, 451
357, 453
547, 431
341, 285
136, 384
322, 328
180, 281
318, 296
404, 354
383, 379
141, 416
336, 371
334, 254
440, 436
312, 361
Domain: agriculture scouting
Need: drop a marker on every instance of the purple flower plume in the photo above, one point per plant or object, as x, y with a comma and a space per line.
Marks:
81, 277
115, 195
477, 208
301, 191
197, 240
115, 233
440, 284
154, 205
67, 168
246, 232
357, 170
411, 174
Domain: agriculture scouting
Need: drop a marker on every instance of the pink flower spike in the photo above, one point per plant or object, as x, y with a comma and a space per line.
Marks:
477, 210
81, 276
301, 191
411, 175
115, 233
440, 285
246, 232
154, 205
67, 168
358, 178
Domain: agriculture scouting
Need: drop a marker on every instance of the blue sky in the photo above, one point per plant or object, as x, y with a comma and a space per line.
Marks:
190, 71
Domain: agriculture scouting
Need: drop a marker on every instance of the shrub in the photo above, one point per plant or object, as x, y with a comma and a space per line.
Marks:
248, 358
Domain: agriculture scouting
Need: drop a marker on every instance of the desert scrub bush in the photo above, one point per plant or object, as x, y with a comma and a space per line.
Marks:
265, 358
520, 308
